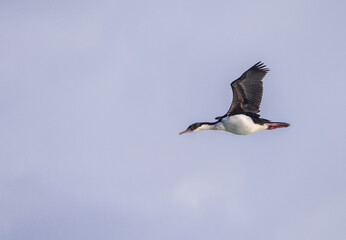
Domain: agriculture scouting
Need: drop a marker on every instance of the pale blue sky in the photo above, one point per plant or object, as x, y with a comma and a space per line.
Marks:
93, 95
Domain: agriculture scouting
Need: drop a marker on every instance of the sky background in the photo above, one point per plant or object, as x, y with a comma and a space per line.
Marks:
93, 95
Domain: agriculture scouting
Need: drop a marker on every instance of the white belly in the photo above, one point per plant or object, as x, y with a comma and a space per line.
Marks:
241, 124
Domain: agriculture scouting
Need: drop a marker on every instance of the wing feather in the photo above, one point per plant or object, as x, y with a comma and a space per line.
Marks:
248, 90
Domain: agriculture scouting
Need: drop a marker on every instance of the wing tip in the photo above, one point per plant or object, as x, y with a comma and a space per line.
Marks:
261, 66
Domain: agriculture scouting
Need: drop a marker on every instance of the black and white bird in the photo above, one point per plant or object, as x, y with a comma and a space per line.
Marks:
242, 118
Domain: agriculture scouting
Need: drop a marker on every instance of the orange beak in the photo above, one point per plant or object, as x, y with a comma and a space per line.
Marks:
186, 131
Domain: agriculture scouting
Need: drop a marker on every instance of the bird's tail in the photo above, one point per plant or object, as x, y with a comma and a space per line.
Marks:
274, 125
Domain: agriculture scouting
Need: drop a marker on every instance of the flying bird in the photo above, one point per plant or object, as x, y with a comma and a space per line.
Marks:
242, 117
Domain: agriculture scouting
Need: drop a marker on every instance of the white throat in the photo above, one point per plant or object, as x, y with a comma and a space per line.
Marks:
217, 126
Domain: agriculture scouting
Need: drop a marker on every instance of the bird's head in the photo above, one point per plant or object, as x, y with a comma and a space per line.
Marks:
193, 128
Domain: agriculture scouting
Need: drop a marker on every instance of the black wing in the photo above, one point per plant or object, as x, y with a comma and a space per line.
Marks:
248, 91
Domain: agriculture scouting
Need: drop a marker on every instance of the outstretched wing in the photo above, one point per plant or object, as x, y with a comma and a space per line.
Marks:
248, 90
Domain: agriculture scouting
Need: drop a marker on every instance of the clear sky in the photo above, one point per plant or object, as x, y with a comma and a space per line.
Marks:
93, 95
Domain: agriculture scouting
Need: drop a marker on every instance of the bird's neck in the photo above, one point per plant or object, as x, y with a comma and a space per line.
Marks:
211, 126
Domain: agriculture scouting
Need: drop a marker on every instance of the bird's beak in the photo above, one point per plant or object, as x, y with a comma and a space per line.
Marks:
186, 131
